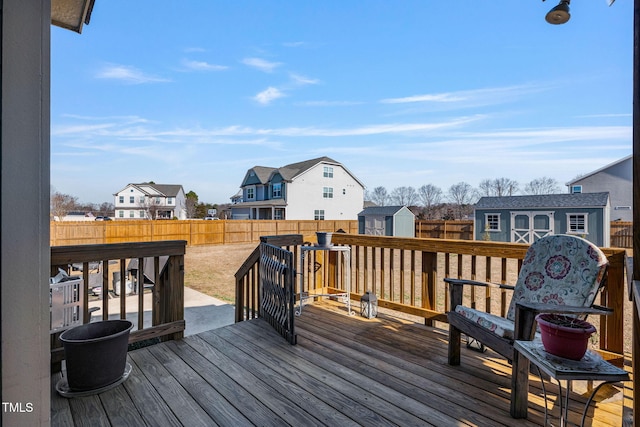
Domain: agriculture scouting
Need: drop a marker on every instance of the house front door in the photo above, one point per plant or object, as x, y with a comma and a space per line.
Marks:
529, 226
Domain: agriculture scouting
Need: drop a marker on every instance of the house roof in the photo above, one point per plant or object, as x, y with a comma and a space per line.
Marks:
580, 178
381, 210
167, 190
545, 201
293, 170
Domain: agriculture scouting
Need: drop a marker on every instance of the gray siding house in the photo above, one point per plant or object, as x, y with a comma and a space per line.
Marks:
525, 219
396, 221
616, 179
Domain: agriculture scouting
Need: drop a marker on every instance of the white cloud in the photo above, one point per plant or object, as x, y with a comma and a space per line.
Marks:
128, 74
202, 66
268, 95
302, 80
261, 64
477, 96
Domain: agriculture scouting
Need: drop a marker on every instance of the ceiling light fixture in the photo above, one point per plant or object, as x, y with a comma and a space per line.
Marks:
559, 14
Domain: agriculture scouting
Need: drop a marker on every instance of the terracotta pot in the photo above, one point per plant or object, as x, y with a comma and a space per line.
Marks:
564, 336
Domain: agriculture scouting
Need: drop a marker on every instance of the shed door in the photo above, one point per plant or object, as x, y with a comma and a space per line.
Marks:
374, 225
527, 227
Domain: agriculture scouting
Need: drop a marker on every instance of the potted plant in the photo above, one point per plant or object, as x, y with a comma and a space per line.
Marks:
564, 336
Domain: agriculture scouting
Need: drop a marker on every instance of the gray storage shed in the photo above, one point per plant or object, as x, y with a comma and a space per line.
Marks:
396, 221
525, 219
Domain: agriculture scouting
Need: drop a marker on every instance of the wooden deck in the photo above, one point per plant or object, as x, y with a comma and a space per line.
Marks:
343, 371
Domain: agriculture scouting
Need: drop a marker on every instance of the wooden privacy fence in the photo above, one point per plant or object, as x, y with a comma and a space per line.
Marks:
194, 232
435, 229
406, 275
622, 234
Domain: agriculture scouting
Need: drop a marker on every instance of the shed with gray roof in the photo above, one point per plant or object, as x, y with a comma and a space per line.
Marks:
396, 221
525, 219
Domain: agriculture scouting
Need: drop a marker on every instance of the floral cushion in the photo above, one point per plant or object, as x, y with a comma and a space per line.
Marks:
562, 270
496, 324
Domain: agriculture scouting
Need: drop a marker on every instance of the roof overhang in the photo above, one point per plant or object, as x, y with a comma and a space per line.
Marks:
71, 14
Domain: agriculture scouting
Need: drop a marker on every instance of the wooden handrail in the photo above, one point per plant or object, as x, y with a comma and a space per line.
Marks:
167, 319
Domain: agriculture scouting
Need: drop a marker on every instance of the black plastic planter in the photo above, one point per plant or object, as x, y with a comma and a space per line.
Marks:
96, 355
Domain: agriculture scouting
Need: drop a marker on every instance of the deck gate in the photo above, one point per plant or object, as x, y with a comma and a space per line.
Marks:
277, 293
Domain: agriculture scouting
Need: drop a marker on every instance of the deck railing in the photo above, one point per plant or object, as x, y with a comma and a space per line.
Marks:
406, 275
167, 291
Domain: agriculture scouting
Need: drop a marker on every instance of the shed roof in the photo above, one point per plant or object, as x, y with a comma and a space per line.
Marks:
545, 201
381, 210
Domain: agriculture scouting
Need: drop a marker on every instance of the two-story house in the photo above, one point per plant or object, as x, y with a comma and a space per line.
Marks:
614, 178
315, 189
150, 201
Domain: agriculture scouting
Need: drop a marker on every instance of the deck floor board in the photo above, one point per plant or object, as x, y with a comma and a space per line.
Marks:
345, 370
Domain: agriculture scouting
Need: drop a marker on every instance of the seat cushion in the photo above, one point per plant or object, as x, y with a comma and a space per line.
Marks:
496, 324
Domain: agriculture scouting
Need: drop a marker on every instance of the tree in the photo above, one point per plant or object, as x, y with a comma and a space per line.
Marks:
61, 204
544, 185
430, 196
404, 196
498, 187
462, 195
379, 196
191, 203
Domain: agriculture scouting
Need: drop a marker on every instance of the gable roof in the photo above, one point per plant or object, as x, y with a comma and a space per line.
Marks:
167, 190
291, 171
580, 178
382, 210
545, 201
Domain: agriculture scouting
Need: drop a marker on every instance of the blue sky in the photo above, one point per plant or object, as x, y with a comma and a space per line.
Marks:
403, 93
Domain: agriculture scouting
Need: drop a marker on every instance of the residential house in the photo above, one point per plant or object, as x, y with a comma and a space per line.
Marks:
315, 189
525, 219
616, 179
387, 221
150, 201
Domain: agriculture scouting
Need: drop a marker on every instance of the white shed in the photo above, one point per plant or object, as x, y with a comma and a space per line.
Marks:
396, 221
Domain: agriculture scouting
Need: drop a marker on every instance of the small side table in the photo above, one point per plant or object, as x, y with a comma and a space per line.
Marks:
346, 257
590, 367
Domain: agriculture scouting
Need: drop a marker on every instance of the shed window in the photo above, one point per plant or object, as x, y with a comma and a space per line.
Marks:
492, 221
577, 223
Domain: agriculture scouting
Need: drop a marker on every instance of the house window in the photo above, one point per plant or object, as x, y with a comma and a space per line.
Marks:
141, 200
278, 213
276, 191
132, 199
121, 214
142, 215
318, 214
169, 200
327, 192
492, 221
132, 214
577, 223
121, 199
576, 189
157, 200
328, 172
250, 193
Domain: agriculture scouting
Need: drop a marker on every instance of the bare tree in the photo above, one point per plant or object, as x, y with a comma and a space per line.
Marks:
544, 185
405, 196
152, 205
379, 196
191, 203
498, 187
430, 196
462, 195
61, 204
